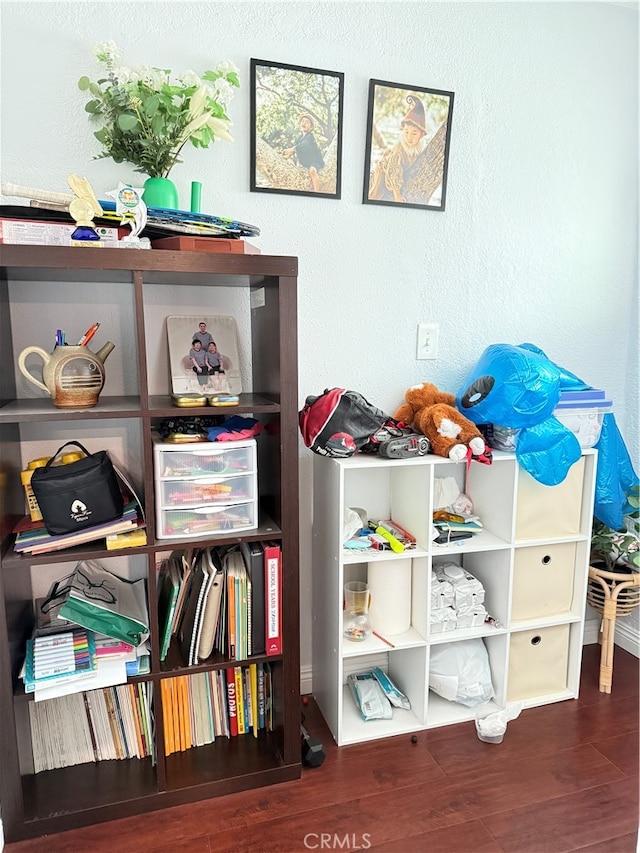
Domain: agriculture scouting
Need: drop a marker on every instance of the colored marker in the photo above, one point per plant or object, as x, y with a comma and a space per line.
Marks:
84, 340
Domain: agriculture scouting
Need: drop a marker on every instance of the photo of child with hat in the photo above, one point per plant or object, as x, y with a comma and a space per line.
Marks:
398, 163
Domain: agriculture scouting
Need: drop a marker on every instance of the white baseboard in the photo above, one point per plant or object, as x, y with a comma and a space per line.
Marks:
306, 680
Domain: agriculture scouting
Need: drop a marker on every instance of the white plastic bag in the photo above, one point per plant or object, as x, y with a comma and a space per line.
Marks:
460, 672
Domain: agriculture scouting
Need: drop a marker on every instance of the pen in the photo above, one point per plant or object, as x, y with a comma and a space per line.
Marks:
84, 340
59, 337
380, 637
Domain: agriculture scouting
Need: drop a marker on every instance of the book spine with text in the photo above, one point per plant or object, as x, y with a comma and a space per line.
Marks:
273, 598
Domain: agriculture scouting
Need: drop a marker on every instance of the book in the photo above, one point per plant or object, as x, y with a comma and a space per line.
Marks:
240, 700
231, 703
187, 562
168, 590
211, 611
37, 540
253, 555
273, 598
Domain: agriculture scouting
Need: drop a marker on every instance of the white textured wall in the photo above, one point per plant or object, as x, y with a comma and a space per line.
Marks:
539, 240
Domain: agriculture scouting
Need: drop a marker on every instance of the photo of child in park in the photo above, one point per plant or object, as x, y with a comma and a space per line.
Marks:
296, 129
408, 136
203, 355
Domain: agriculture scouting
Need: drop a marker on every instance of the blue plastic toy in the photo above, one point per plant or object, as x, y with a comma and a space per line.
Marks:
519, 387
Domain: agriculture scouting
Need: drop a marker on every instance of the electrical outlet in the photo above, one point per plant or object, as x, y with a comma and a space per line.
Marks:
427, 346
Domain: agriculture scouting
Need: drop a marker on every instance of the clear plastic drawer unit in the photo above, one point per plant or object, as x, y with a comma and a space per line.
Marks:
205, 488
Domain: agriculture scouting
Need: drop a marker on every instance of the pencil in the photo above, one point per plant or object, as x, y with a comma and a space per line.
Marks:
380, 637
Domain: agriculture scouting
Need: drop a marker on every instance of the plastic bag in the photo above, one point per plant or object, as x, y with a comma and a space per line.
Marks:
615, 477
460, 672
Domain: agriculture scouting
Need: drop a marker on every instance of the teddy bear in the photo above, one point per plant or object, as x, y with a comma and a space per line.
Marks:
433, 413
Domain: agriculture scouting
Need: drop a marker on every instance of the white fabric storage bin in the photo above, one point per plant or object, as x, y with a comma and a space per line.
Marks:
543, 580
538, 662
543, 512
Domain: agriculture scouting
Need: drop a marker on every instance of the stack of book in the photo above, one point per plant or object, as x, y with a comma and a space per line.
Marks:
113, 723
199, 708
32, 536
226, 598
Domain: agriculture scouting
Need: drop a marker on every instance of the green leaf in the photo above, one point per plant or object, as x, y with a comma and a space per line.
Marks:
95, 90
83, 84
232, 77
127, 122
101, 135
151, 105
92, 107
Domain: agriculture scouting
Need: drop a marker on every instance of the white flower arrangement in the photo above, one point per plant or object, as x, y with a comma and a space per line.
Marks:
147, 119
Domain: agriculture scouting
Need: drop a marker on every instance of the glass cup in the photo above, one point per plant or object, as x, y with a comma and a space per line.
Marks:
357, 620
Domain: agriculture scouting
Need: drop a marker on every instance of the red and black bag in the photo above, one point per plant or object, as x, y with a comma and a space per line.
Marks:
340, 423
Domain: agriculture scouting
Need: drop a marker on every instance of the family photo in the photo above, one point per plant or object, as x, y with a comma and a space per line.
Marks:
203, 354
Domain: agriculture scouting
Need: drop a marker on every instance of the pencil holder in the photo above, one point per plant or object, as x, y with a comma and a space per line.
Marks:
72, 376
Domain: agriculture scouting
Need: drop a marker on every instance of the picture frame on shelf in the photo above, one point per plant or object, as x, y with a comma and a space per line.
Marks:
407, 145
296, 129
220, 371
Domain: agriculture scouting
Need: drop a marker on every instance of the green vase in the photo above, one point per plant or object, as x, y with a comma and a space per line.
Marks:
160, 192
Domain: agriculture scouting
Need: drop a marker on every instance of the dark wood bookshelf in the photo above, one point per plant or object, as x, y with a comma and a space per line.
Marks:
37, 804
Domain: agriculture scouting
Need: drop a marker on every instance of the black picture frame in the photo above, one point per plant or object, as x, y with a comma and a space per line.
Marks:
281, 97
393, 174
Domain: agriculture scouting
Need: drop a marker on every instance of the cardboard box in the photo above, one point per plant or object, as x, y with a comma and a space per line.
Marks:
41, 233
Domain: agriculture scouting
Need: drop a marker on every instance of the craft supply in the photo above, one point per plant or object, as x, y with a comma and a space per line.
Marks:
384, 639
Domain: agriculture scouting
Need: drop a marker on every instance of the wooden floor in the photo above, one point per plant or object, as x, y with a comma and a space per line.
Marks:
564, 778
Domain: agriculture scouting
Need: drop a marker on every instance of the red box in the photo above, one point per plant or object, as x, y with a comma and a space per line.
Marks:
206, 244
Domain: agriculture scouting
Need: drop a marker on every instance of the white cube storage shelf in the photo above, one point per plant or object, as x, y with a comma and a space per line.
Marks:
532, 559
205, 488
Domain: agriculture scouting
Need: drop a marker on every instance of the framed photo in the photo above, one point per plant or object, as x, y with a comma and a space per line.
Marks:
296, 129
407, 152
203, 354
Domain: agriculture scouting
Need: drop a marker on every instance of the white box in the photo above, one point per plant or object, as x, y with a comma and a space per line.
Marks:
205, 488
28, 232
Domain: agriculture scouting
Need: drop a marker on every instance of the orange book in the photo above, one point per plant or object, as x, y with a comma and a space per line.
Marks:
167, 715
176, 714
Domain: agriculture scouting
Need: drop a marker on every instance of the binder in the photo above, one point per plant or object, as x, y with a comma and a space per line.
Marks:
273, 597
212, 605
253, 554
190, 621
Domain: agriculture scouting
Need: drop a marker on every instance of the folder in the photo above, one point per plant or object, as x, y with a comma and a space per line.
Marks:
273, 597
253, 554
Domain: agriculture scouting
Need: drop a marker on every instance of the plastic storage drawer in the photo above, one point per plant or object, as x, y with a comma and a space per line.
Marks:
205, 489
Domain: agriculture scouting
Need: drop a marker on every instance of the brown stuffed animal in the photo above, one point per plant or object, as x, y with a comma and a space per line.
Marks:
433, 413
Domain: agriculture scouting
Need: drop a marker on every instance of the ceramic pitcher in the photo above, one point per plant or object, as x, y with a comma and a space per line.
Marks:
73, 376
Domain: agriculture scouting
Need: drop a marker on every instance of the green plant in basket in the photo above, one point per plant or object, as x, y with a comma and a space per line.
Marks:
146, 117
619, 547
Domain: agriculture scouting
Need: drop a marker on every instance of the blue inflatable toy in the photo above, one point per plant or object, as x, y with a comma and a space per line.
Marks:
519, 387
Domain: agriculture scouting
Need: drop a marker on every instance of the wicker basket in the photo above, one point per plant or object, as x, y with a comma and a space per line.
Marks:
613, 594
